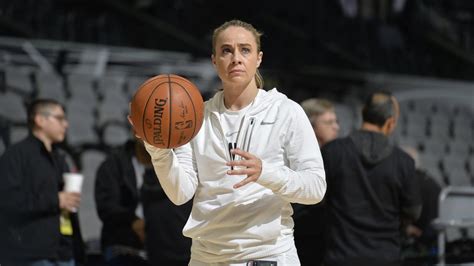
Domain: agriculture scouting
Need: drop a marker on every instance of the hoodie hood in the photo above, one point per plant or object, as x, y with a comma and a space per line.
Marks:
373, 147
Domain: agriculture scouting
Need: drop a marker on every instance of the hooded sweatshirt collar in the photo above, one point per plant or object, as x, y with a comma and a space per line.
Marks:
373, 147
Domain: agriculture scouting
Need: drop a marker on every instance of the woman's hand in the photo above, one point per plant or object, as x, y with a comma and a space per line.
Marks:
249, 165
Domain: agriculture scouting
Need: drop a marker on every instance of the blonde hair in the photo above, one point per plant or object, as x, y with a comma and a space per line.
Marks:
238, 23
317, 107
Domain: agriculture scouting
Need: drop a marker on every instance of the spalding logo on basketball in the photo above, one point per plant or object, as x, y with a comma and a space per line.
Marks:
167, 111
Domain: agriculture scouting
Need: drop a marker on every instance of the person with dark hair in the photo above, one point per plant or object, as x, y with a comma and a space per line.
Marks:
371, 188
420, 237
38, 222
254, 155
140, 225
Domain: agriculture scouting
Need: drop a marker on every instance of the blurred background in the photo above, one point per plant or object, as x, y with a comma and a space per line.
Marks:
93, 55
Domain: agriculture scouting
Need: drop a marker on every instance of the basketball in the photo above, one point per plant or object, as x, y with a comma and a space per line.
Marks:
167, 111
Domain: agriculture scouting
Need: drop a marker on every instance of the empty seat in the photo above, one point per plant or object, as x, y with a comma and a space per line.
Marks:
454, 167
460, 147
17, 133
81, 130
416, 119
89, 221
50, 85
111, 112
407, 106
82, 89
470, 165
439, 127
406, 141
77, 106
2, 147
459, 177
455, 211
424, 106
112, 89
415, 130
431, 163
434, 145
19, 79
463, 128
12, 107
115, 134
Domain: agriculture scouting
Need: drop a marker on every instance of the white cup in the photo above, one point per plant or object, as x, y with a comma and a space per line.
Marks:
73, 182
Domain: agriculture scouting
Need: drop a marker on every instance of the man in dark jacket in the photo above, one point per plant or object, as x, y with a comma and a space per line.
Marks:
371, 187
136, 214
38, 223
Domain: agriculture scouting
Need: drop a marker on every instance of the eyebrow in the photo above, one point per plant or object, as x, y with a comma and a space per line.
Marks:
239, 44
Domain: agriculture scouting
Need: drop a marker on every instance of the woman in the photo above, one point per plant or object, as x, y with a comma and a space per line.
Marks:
255, 154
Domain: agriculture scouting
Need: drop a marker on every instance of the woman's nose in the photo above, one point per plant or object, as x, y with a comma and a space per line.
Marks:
236, 58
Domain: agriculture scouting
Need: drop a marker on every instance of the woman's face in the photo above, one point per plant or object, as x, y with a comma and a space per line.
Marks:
237, 57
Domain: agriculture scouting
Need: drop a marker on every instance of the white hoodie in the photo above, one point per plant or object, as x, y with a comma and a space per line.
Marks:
253, 221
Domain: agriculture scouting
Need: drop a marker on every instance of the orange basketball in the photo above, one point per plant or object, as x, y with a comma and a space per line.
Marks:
167, 111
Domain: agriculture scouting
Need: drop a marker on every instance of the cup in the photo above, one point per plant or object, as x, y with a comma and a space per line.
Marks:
73, 182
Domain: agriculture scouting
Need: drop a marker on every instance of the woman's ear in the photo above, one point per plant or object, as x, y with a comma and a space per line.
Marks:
213, 60
259, 58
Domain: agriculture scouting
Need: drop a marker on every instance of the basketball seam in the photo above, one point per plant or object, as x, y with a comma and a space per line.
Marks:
169, 111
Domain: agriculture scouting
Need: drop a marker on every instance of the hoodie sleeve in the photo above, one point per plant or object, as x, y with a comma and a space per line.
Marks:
302, 179
175, 171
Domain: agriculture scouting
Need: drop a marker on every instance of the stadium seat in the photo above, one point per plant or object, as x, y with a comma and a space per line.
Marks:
81, 130
454, 167
2, 147
89, 220
115, 134
12, 107
50, 86
19, 79
112, 111
456, 210
17, 133
439, 127
81, 88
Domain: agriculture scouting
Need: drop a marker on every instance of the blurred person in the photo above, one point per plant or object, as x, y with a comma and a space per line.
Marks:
38, 223
370, 189
310, 219
421, 236
164, 221
323, 118
254, 155
140, 224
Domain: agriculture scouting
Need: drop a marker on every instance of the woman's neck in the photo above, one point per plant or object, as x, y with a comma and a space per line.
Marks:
236, 98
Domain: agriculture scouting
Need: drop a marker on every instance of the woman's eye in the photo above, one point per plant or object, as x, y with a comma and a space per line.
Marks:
245, 50
226, 51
